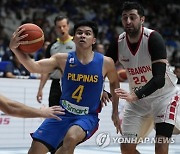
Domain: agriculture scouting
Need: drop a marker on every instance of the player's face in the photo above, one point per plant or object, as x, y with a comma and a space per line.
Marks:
62, 28
132, 22
84, 37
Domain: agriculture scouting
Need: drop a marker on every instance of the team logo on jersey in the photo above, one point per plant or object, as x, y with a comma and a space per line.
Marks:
71, 60
125, 59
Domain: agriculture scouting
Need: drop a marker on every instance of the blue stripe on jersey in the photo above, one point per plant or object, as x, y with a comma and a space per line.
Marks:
82, 84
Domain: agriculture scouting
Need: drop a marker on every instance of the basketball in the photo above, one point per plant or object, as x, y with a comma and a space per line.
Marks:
122, 76
35, 38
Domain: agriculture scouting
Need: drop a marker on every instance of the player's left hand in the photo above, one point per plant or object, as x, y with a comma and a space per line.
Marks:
52, 112
106, 98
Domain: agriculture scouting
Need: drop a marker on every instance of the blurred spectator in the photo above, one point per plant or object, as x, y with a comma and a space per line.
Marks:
164, 17
5, 53
171, 46
100, 48
3, 65
16, 70
3, 34
40, 54
175, 58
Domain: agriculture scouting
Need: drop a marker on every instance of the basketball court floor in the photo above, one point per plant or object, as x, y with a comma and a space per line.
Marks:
15, 134
144, 149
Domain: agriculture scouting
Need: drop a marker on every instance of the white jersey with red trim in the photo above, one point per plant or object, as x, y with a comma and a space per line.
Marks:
138, 64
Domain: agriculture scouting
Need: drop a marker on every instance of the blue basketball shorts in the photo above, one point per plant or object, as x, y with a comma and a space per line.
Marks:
52, 132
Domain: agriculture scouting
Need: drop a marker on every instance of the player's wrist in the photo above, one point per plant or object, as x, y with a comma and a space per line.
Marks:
134, 96
42, 112
115, 111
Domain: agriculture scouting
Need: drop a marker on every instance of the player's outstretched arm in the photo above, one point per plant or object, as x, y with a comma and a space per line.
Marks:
17, 109
114, 83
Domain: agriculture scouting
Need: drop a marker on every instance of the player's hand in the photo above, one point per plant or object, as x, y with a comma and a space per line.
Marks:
106, 98
16, 38
117, 122
39, 96
52, 112
129, 97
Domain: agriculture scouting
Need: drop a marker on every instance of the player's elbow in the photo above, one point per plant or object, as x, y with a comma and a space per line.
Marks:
159, 81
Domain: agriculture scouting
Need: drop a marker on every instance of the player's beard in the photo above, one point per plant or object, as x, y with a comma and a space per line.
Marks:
134, 32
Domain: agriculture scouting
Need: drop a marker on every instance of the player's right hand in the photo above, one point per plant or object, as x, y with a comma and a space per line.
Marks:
117, 122
16, 39
123, 94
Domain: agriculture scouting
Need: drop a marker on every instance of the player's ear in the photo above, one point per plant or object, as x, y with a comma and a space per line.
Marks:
94, 41
142, 19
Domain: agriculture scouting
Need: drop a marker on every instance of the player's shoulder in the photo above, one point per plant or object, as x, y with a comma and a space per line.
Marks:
122, 36
156, 37
151, 33
108, 60
108, 65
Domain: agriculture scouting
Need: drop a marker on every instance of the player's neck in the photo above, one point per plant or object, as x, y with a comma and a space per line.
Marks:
135, 38
85, 57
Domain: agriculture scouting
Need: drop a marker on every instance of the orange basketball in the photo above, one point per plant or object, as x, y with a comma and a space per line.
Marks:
122, 75
35, 38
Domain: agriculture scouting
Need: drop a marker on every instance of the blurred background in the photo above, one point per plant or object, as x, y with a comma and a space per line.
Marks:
161, 15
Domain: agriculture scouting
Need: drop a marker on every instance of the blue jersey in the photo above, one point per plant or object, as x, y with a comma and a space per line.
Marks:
82, 85
81, 93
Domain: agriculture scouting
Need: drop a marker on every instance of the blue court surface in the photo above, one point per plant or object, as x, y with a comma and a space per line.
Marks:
144, 149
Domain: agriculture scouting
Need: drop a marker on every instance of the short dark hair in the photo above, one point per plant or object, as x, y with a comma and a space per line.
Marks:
88, 23
59, 18
128, 5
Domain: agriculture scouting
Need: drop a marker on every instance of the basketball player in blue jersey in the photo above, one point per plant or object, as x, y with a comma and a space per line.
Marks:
65, 44
82, 83
154, 97
16, 109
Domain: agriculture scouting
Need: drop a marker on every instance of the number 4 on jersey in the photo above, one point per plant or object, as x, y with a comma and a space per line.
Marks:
77, 94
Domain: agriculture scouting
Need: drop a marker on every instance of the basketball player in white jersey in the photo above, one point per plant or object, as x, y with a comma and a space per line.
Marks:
154, 96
